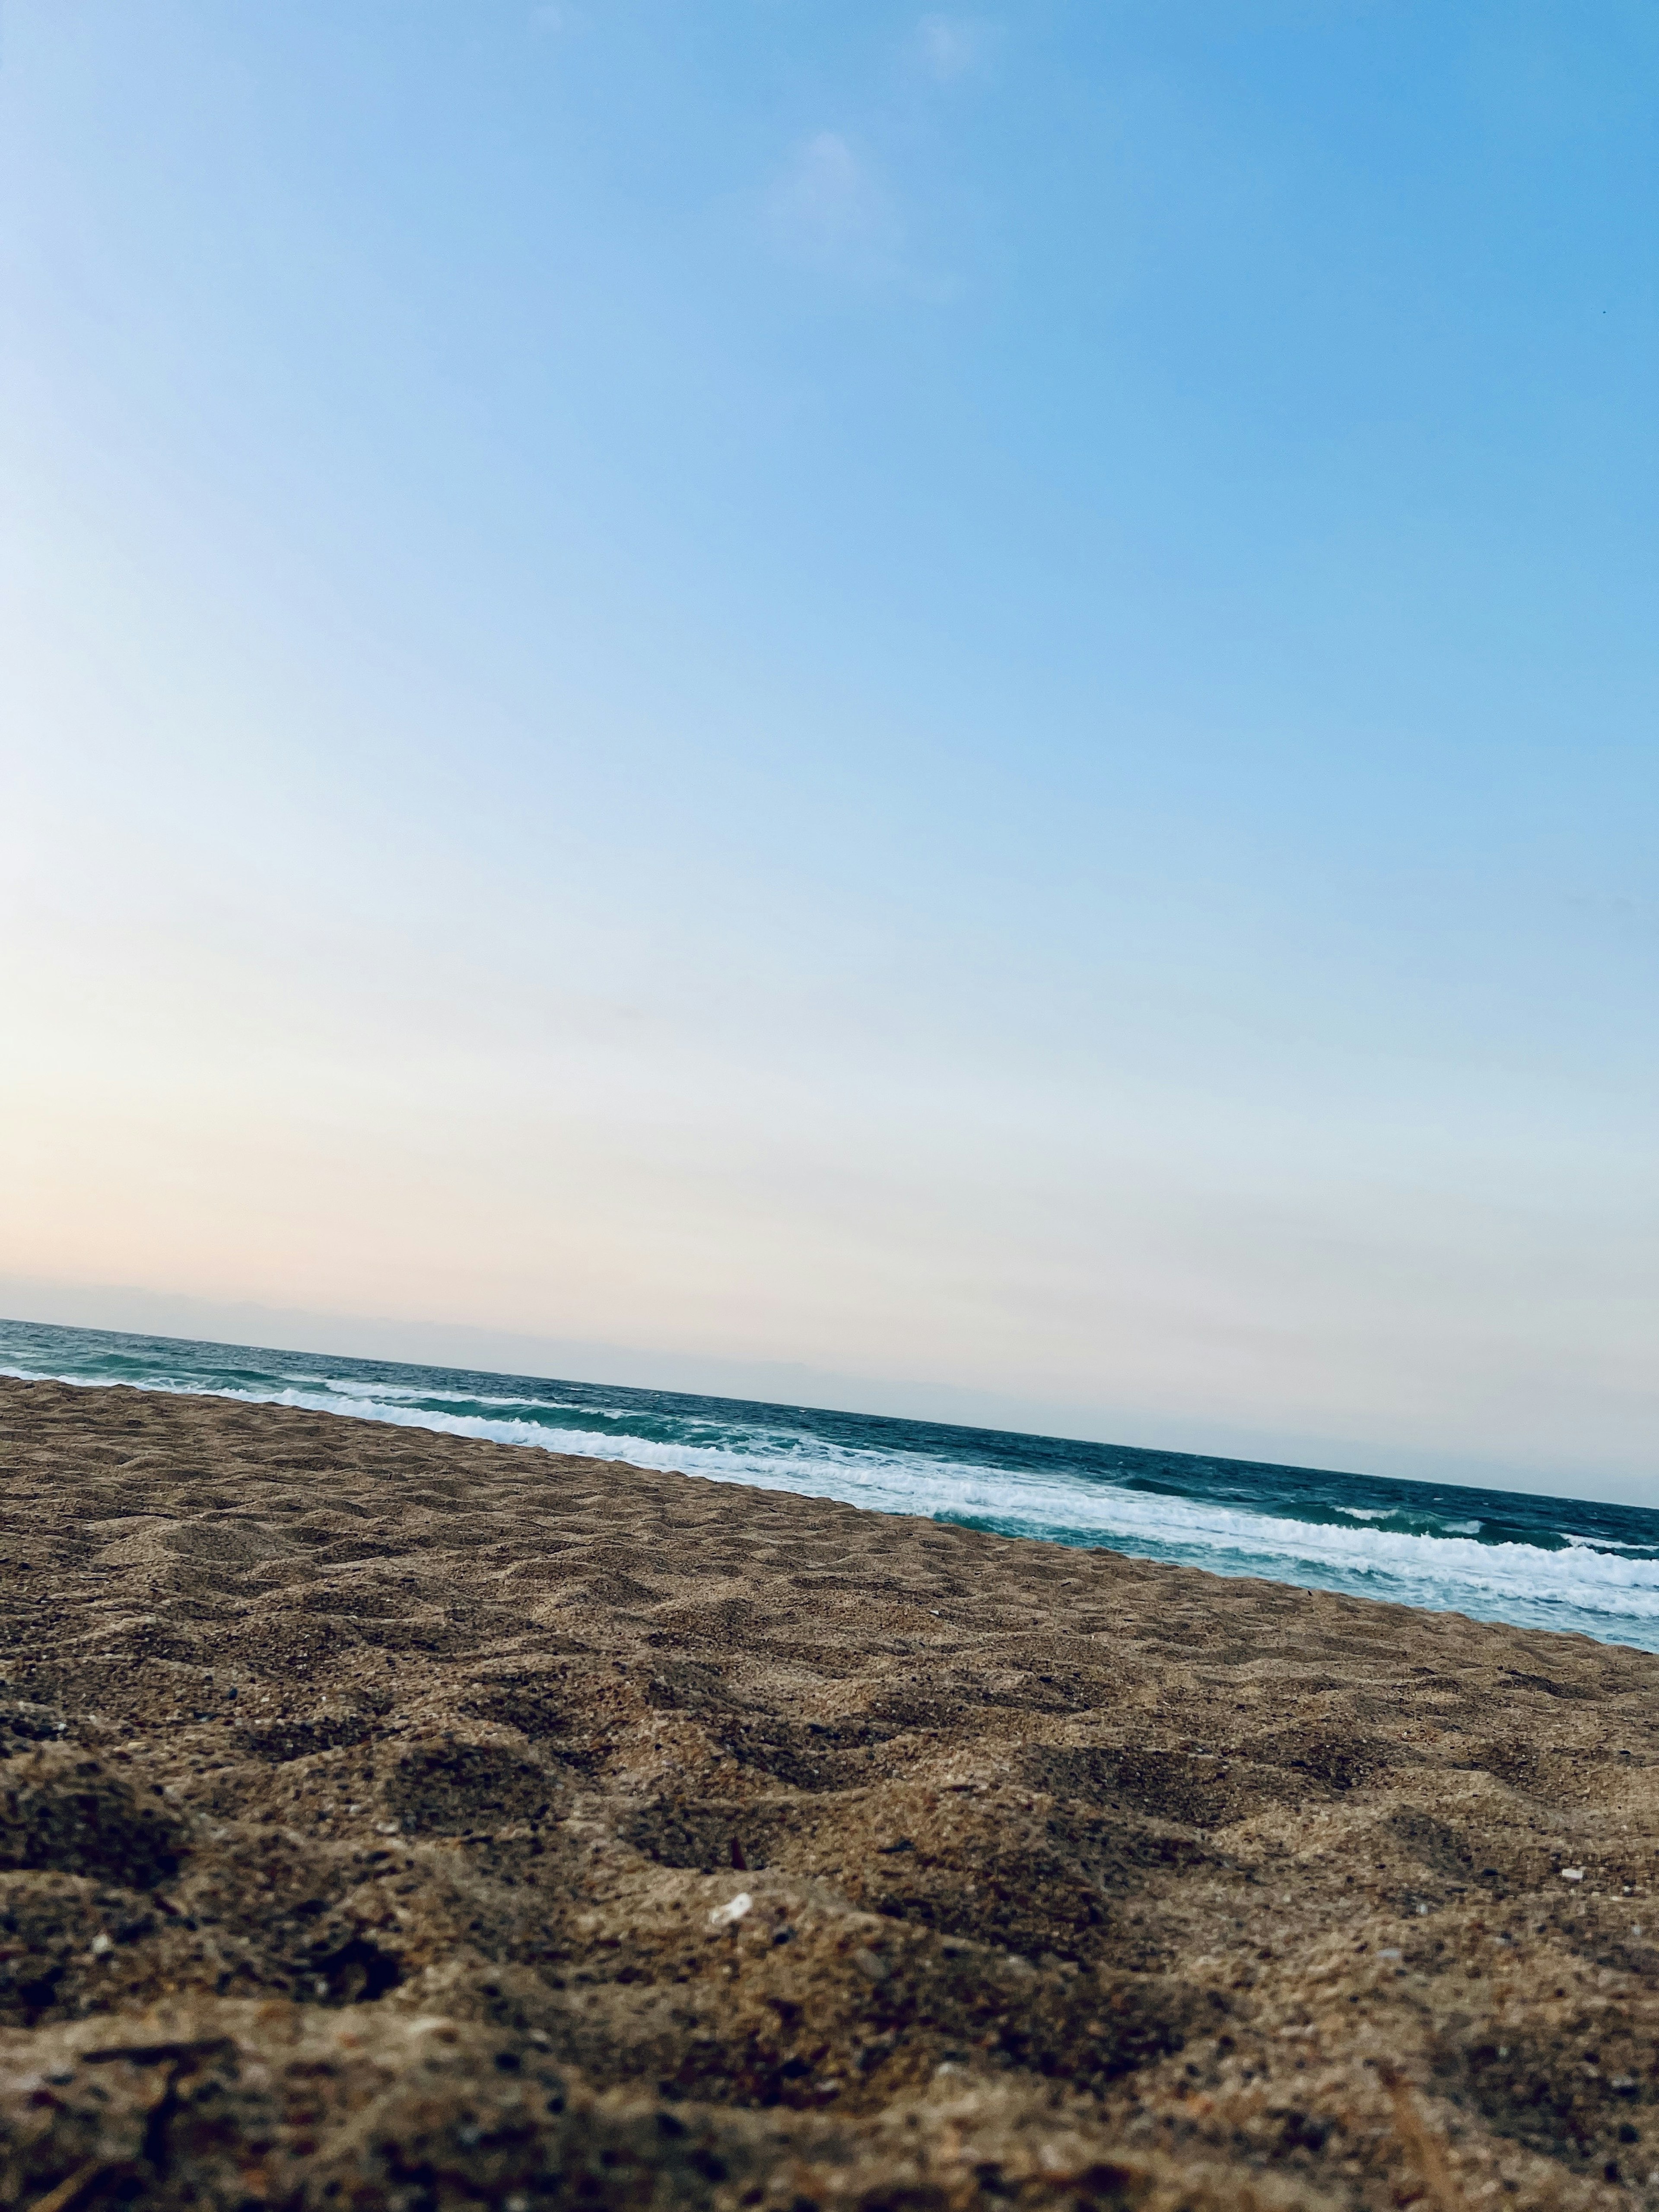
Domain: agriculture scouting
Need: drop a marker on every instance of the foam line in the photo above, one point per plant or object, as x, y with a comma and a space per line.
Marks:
1611, 1592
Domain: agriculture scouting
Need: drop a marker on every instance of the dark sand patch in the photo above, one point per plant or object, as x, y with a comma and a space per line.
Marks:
370, 1803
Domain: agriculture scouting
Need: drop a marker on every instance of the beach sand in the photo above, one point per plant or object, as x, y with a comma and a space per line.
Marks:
394, 1819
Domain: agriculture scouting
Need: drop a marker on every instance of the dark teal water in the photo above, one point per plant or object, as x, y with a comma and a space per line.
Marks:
1539, 1562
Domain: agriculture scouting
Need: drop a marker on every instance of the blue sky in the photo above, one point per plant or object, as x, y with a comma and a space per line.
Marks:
965, 701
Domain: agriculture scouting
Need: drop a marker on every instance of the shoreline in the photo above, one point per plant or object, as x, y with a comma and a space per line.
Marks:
377, 1774
1563, 1565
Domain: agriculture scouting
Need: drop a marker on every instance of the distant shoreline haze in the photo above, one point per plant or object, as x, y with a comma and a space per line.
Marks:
778, 1383
1489, 1551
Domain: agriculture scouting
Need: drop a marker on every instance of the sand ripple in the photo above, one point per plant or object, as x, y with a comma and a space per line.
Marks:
392, 1819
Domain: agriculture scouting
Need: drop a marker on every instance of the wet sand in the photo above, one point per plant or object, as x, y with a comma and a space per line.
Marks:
395, 1821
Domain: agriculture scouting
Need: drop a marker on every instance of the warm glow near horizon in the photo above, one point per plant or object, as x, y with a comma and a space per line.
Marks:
966, 705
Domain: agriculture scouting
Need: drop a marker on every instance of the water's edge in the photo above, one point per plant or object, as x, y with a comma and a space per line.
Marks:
1498, 1555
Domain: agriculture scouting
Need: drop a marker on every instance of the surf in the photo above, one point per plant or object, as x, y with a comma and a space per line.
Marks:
1545, 1563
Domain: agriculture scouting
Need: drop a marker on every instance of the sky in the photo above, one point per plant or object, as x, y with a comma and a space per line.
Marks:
959, 705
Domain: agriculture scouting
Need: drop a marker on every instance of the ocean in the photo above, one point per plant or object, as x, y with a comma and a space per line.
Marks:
1539, 1562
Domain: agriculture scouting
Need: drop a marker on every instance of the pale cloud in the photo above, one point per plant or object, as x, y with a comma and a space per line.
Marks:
949, 47
829, 208
551, 16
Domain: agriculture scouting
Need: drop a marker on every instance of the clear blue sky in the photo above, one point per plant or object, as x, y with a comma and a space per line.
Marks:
966, 699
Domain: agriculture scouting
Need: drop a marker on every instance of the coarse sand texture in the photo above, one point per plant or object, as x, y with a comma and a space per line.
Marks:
393, 1819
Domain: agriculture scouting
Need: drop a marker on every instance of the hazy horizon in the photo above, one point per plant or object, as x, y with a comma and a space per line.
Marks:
775, 1383
962, 700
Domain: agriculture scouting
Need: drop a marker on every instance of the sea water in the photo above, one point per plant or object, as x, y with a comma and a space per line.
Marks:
1539, 1562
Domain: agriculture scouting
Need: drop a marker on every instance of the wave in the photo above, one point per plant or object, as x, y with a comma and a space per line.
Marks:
1513, 1564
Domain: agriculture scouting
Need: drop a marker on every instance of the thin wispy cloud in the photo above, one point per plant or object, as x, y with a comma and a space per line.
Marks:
950, 47
830, 211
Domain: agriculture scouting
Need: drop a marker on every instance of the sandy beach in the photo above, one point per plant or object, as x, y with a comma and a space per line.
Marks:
393, 1819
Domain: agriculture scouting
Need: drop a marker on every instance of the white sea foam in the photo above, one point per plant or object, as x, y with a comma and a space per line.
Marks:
1598, 1590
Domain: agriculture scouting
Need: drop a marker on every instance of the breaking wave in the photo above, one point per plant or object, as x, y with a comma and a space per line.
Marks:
1545, 1563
